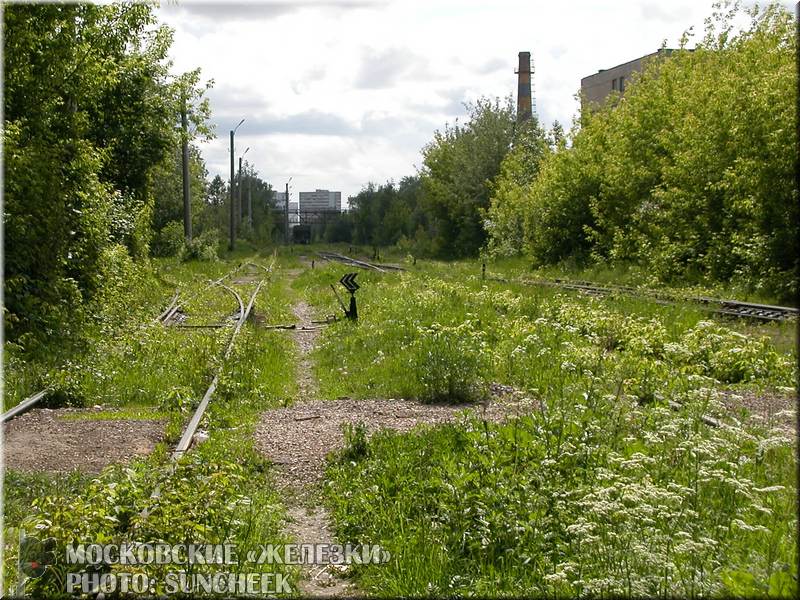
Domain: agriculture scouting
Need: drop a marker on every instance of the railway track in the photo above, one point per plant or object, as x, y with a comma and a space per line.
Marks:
166, 317
733, 308
358, 263
189, 433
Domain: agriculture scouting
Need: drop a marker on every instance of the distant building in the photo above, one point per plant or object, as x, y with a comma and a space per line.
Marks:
294, 217
596, 88
279, 198
320, 201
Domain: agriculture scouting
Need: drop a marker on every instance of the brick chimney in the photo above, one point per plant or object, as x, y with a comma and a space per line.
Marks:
524, 111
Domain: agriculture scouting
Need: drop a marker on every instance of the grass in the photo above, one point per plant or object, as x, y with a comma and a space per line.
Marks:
221, 492
639, 276
601, 490
439, 339
574, 500
133, 413
604, 490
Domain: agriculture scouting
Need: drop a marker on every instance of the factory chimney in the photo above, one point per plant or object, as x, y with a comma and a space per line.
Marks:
524, 111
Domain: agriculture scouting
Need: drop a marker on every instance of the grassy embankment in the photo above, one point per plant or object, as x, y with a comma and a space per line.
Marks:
223, 490
602, 488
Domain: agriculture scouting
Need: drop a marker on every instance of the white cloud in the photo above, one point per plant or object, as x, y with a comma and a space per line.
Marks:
342, 92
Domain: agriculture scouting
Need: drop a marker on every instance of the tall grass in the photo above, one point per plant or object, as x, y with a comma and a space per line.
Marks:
221, 492
439, 340
603, 489
591, 495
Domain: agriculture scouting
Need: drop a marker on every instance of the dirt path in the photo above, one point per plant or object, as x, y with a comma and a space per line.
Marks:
44, 440
304, 339
308, 521
297, 440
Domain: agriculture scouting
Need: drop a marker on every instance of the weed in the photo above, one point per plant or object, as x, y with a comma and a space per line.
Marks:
355, 442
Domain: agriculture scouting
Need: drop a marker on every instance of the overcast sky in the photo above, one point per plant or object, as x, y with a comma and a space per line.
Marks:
339, 93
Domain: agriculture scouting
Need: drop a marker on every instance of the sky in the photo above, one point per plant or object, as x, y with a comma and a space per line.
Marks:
339, 93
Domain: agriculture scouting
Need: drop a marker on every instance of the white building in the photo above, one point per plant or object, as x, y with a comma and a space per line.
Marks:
320, 200
294, 217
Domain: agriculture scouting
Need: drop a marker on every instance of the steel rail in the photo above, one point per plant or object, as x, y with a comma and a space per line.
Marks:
734, 308
168, 311
351, 261
176, 307
710, 421
23, 406
163, 318
186, 439
359, 263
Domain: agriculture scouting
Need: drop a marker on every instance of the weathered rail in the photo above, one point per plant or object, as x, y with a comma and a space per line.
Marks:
734, 308
23, 406
381, 268
168, 315
164, 317
169, 310
188, 434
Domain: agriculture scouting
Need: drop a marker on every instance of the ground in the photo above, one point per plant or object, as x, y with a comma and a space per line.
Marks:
66, 439
297, 430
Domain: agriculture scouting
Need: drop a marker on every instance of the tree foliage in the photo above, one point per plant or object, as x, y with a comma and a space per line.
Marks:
441, 211
387, 214
90, 112
518, 170
690, 173
459, 165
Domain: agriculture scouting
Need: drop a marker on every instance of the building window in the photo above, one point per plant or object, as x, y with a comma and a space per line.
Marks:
622, 84
614, 84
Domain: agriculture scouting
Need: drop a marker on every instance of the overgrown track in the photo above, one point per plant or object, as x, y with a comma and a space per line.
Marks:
168, 317
358, 263
185, 443
165, 318
188, 434
733, 308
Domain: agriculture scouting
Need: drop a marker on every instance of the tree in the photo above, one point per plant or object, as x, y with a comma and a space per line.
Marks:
88, 115
518, 171
458, 167
690, 173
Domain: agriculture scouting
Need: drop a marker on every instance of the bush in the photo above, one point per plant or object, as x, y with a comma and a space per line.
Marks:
448, 362
169, 241
668, 176
203, 247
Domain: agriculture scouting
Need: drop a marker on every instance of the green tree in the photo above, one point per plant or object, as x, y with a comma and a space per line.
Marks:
690, 173
458, 168
89, 113
518, 171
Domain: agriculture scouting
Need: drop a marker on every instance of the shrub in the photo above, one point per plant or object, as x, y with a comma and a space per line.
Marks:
667, 177
449, 361
169, 241
203, 247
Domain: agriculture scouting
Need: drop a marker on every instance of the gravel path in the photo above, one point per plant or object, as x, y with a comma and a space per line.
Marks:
42, 440
304, 340
298, 438
770, 408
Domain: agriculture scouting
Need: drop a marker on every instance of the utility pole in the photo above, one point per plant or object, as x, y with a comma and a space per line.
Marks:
239, 195
187, 204
232, 230
250, 200
239, 191
286, 212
